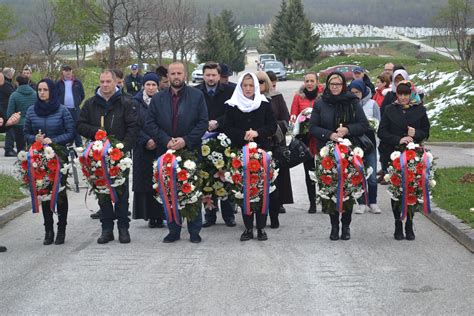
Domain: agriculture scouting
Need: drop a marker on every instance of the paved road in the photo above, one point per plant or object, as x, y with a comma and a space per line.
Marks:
297, 271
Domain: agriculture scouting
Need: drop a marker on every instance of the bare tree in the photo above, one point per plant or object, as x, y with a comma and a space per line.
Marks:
115, 18
453, 23
43, 25
160, 40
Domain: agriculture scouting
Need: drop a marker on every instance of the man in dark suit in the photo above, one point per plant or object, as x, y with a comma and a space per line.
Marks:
216, 94
178, 119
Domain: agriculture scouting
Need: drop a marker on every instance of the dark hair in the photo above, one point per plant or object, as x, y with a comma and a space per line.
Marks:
211, 65
118, 73
385, 79
398, 67
162, 71
22, 80
404, 88
272, 75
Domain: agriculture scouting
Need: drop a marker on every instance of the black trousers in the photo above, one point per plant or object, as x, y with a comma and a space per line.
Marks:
146, 206
19, 137
261, 220
310, 185
62, 209
346, 218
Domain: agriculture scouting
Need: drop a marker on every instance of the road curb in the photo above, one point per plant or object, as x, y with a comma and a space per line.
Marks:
14, 210
452, 144
460, 231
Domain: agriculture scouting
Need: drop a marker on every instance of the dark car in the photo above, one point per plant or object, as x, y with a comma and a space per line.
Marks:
345, 69
277, 67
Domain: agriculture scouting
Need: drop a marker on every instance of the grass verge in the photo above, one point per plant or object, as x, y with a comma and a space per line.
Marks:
453, 195
9, 190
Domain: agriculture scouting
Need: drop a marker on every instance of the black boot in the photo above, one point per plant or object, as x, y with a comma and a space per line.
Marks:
48, 237
398, 234
282, 210
152, 222
60, 236
246, 235
274, 222
261, 234
312, 208
334, 227
124, 235
346, 232
409, 233
105, 237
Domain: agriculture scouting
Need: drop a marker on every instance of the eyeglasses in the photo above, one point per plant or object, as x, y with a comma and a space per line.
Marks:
335, 84
261, 81
388, 69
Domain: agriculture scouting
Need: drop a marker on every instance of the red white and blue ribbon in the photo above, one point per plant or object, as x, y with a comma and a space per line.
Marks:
170, 203
404, 169
209, 135
56, 185
340, 179
108, 180
266, 183
32, 182
425, 183
359, 164
247, 210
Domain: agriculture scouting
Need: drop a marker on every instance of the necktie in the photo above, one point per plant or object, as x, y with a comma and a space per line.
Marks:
211, 93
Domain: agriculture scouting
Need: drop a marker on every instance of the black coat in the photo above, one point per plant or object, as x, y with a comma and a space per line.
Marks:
395, 122
120, 118
322, 122
369, 84
5, 91
192, 118
142, 157
261, 120
216, 106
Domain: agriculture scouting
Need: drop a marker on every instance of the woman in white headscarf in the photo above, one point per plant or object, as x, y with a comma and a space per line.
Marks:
249, 118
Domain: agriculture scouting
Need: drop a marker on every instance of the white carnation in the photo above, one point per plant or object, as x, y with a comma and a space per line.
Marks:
252, 145
189, 164
432, 183
359, 152
178, 159
22, 155
119, 146
79, 150
412, 146
324, 151
238, 195
395, 155
386, 177
344, 141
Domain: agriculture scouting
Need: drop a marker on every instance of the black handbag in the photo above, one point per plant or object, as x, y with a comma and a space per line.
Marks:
292, 155
364, 143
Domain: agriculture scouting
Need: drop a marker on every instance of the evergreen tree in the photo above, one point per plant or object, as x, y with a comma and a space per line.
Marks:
294, 23
206, 48
306, 46
278, 39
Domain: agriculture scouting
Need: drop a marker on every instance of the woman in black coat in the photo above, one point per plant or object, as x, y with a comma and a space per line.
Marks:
337, 114
249, 118
50, 122
145, 206
403, 121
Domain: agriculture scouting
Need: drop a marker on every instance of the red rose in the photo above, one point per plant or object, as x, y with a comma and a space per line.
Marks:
254, 165
327, 180
410, 176
116, 154
236, 163
356, 179
156, 175
114, 171
236, 178
39, 174
253, 191
186, 188
395, 180
182, 175
24, 165
42, 192
168, 170
99, 172
51, 176
420, 183
167, 158
343, 149
411, 189
97, 155
82, 160
85, 173
419, 168
26, 179
36, 158
37, 146
396, 164
253, 150
410, 154
52, 164
100, 182
412, 200
344, 163
100, 134
327, 163
254, 178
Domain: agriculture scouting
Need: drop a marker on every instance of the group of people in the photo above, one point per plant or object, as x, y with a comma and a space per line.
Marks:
165, 113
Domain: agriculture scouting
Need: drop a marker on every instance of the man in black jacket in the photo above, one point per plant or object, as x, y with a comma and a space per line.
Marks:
117, 112
178, 119
216, 94
134, 80
6, 89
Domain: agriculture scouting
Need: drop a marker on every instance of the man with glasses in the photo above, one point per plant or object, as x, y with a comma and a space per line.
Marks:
216, 94
388, 69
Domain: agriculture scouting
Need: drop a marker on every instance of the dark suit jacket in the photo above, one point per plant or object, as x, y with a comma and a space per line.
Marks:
192, 118
216, 106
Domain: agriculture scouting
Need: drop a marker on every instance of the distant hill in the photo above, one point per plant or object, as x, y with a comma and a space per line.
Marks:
375, 12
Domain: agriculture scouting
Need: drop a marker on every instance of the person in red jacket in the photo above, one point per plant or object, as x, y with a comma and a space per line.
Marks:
382, 86
306, 97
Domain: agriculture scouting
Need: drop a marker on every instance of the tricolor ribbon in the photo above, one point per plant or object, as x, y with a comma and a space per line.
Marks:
404, 169
246, 180
340, 179
266, 183
170, 203
425, 183
209, 135
56, 185
108, 180
32, 182
359, 164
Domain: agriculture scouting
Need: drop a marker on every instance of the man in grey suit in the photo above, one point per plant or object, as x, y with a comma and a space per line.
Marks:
178, 119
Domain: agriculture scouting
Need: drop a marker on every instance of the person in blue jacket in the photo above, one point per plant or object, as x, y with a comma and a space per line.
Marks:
49, 121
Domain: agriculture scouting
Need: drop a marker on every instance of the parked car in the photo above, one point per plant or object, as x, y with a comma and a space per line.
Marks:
197, 74
345, 69
262, 58
277, 67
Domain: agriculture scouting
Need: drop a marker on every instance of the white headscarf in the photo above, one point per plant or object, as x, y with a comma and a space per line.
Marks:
243, 103
401, 72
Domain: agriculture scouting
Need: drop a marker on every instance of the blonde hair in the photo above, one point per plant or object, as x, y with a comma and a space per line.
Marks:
262, 75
